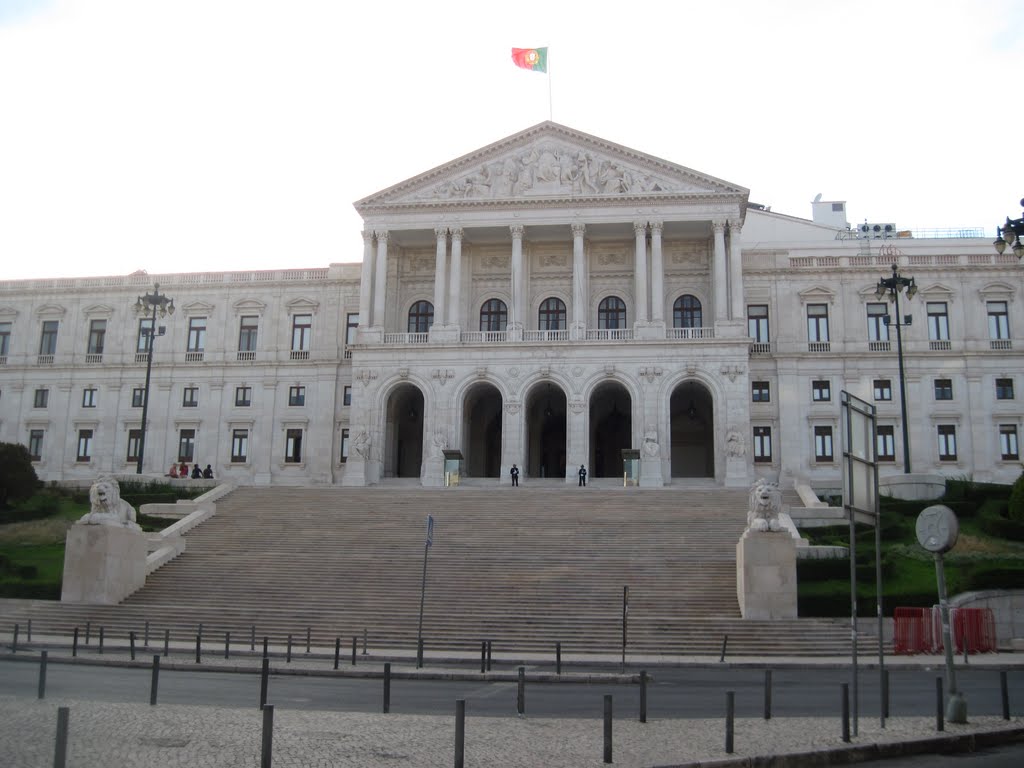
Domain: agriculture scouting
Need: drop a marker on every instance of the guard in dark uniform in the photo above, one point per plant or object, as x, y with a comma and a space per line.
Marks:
514, 474
583, 476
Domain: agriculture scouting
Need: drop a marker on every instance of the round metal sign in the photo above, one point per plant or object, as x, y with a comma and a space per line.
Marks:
937, 528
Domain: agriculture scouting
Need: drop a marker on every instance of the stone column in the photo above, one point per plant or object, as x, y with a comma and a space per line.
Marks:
735, 271
640, 272
455, 280
579, 283
718, 272
440, 273
518, 320
366, 281
657, 275
380, 283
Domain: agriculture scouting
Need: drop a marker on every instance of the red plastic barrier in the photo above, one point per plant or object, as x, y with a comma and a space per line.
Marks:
912, 630
974, 629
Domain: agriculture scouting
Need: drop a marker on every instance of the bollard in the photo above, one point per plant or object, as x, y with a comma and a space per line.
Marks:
42, 675
60, 752
154, 680
364, 642
1004, 692
460, 733
167, 642
488, 655
965, 643
521, 693
307, 639
268, 736
101, 640
725, 642
483, 656
558, 658
264, 681
354, 641
337, 651
387, 688
767, 694
199, 631
643, 695
419, 653
252, 638
131, 644
885, 696
88, 631
939, 714
227, 645
844, 701
199, 648
145, 636
607, 727
28, 634
730, 716
288, 655
14, 645
264, 646
74, 643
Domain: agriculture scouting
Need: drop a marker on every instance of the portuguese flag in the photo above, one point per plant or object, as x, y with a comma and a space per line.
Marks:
531, 58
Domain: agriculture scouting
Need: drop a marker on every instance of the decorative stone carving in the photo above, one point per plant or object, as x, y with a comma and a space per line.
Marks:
513, 372
442, 375
611, 259
734, 444
365, 376
438, 444
577, 406
651, 447
403, 373
765, 506
609, 370
732, 371
553, 260
107, 506
362, 445
512, 408
577, 371
649, 373
494, 261
481, 372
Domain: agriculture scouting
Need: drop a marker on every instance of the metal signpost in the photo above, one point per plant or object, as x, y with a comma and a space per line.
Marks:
423, 590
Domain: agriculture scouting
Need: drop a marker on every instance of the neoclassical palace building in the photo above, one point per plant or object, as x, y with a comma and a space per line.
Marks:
551, 300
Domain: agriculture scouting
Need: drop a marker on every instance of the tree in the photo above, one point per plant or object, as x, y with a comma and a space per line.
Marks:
1017, 500
18, 478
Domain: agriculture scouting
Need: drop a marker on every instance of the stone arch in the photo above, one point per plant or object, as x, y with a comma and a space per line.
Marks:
692, 429
482, 411
546, 407
402, 454
610, 427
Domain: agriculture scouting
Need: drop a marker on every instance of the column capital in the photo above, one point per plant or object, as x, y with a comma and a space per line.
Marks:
517, 231
718, 225
382, 235
367, 236
640, 227
735, 225
440, 232
456, 233
657, 226
578, 229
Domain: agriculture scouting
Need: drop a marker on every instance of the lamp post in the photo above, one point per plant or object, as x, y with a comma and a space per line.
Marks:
893, 286
150, 305
1009, 234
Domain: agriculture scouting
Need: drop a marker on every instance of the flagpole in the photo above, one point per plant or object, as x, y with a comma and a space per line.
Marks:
551, 109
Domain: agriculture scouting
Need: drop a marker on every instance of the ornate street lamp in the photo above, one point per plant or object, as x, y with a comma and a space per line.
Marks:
893, 286
150, 305
1009, 235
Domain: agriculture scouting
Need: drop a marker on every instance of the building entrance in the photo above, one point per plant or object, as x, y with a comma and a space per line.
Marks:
404, 436
611, 429
545, 431
481, 431
693, 431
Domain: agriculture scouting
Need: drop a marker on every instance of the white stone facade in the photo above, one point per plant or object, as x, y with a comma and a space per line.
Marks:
549, 300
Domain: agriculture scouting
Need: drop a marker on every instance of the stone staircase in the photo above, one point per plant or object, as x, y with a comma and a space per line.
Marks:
522, 567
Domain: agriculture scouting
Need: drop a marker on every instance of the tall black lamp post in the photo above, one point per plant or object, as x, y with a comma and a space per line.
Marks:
1009, 234
150, 304
893, 286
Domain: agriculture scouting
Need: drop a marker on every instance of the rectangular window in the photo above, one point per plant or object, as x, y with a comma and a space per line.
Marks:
5, 339
239, 446
145, 339
817, 323
89, 398
878, 327
196, 334
947, 442
998, 320
821, 390
97, 333
293, 446
48, 338
243, 397
186, 444
885, 443
84, 445
938, 321
190, 397
344, 446
138, 397
1008, 442
40, 398
347, 399
351, 326
757, 323
302, 330
1004, 389
883, 389
943, 389
134, 440
35, 444
823, 444
762, 445
296, 396
247, 333
760, 392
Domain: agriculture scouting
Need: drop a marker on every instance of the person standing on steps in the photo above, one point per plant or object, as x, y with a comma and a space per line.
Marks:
514, 474
583, 476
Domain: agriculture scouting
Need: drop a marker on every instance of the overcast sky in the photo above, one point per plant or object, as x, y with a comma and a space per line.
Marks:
195, 135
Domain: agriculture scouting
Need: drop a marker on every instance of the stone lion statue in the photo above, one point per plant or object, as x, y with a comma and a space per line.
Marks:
107, 506
765, 506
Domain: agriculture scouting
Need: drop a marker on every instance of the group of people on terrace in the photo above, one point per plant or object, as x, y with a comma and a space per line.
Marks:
182, 470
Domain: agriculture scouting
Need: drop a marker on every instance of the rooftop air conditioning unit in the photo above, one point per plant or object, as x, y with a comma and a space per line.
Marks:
870, 230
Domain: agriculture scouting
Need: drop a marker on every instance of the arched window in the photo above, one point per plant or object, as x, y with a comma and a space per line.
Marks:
493, 315
551, 316
421, 316
611, 313
686, 312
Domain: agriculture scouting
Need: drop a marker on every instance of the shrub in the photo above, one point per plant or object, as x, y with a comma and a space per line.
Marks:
1017, 500
18, 480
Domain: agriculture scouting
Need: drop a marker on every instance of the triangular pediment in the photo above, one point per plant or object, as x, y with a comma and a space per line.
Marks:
551, 162
818, 293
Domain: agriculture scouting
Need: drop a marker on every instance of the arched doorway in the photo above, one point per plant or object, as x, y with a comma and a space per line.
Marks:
481, 430
545, 431
611, 428
693, 431
404, 437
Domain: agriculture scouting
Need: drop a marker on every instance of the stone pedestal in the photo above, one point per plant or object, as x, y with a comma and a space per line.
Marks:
650, 472
766, 575
103, 564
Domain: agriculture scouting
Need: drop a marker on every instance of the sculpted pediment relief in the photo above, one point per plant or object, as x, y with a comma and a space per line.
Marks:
550, 160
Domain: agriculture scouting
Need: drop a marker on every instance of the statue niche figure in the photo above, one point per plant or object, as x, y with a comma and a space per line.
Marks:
107, 507
765, 506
